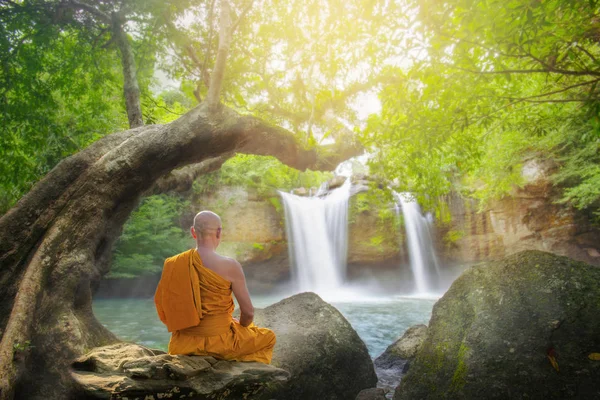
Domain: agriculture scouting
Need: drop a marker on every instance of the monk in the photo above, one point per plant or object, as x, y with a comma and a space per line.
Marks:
193, 299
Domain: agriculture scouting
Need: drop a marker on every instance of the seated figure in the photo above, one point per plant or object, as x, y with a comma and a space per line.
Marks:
193, 299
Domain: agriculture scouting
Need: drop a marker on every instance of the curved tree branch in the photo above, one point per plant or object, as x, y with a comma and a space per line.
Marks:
181, 180
78, 5
56, 241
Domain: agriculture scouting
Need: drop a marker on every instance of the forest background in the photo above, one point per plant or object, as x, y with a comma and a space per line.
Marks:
469, 91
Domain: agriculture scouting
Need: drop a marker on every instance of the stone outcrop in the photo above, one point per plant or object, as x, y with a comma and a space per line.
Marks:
528, 219
371, 394
522, 327
318, 356
318, 346
403, 349
367, 244
129, 371
254, 234
253, 229
393, 363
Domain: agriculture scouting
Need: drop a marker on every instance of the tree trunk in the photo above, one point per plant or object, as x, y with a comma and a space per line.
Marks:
57, 240
131, 88
216, 78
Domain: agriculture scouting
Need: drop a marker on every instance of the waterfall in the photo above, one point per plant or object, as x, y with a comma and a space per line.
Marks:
421, 253
317, 232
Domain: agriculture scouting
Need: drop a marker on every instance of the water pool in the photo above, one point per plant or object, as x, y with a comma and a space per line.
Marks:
378, 321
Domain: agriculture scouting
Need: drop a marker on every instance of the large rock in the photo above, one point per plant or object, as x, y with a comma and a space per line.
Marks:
319, 347
403, 349
318, 356
395, 360
129, 371
371, 394
502, 328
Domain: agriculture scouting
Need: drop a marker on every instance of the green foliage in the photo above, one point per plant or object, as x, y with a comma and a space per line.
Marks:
295, 64
485, 85
61, 83
376, 241
379, 202
149, 237
22, 347
276, 203
265, 175
52, 104
452, 236
469, 89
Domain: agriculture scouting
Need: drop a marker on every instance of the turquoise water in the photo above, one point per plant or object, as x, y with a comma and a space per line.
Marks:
377, 321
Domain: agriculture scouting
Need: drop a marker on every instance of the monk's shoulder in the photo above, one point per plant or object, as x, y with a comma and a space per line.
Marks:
230, 263
177, 258
235, 270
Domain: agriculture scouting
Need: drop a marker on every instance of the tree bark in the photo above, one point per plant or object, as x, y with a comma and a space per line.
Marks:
131, 87
56, 242
181, 180
216, 78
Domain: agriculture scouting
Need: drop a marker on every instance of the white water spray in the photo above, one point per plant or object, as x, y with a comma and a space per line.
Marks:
423, 260
317, 231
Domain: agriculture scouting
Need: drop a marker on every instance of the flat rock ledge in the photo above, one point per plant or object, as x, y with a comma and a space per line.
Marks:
130, 371
324, 355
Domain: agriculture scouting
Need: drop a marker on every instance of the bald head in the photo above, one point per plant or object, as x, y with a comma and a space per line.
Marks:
206, 223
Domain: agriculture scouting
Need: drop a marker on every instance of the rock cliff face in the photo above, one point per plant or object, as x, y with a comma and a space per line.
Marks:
529, 219
523, 327
365, 244
254, 234
253, 228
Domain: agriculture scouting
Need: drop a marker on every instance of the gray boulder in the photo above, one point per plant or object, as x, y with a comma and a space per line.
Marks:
403, 349
318, 346
395, 360
371, 394
519, 328
129, 371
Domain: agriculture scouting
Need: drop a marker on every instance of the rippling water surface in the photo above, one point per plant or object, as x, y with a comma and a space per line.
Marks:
378, 321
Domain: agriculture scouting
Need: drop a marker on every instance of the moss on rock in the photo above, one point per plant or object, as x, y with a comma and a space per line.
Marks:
491, 334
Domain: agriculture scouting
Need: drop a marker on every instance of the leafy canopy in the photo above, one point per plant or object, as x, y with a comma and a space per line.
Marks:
485, 85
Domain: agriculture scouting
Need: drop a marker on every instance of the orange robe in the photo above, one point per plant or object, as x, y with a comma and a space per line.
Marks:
195, 304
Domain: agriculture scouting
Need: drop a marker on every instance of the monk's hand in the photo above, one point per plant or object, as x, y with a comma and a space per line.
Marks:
235, 320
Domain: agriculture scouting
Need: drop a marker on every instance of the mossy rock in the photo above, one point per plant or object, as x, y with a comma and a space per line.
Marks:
498, 329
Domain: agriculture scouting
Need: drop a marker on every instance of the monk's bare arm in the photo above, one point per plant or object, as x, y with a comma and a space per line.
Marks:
240, 290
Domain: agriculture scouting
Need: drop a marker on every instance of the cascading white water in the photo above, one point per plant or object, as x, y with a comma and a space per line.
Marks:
317, 231
421, 252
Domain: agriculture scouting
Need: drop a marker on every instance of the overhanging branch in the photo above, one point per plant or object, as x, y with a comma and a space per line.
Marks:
182, 179
78, 5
